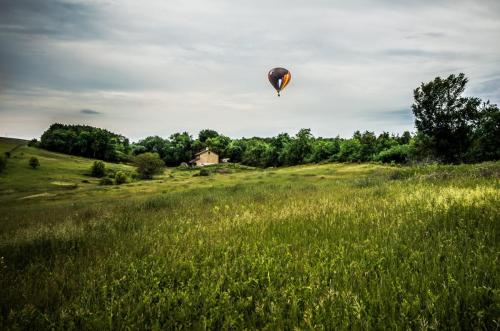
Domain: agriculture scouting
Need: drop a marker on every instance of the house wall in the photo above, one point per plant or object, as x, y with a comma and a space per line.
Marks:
207, 157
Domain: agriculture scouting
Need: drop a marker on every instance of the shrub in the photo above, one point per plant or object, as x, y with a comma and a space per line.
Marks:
7, 155
33, 143
3, 163
34, 163
398, 154
121, 178
106, 181
149, 164
98, 169
204, 172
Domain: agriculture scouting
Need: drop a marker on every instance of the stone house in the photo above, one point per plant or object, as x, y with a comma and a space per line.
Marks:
205, 157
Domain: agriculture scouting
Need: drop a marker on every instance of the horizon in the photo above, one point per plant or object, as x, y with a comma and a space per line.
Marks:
157, 68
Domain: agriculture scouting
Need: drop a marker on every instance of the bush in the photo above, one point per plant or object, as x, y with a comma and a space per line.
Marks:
33, 143
121, 178
398, 154
98, 169
106, 181
7, 155
34, 163
3, 163
204, 172
149, 164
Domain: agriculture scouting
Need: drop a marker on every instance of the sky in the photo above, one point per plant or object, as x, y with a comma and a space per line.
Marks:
155, 67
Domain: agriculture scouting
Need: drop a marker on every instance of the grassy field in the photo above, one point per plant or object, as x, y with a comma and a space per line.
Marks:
333, 246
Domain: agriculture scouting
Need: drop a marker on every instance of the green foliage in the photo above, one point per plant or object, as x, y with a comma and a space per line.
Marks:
206, 134
33, 143
219, 145
154, 144
256, 153
486, 145
397, 154
324, 150
350, 151
85, 141
445, 117
98, 169
121, 178
33, 162
299, 150
148, 165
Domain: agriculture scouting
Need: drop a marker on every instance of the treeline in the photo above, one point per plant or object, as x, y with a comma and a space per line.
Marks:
84, 140
282, 150
450, 129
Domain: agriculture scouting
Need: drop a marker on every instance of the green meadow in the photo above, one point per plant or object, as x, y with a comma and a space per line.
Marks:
328, 246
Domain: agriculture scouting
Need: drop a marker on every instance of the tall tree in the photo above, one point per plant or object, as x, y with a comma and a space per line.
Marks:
446, 117
206, 134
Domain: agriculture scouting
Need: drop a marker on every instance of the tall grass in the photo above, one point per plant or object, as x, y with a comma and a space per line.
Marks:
315, 247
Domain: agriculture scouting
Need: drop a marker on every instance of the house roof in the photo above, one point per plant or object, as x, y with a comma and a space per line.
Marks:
204, 151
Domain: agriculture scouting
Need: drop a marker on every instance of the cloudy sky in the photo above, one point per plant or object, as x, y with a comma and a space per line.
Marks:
152, 67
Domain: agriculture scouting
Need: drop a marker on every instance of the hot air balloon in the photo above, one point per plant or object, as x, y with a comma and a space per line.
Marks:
279, 78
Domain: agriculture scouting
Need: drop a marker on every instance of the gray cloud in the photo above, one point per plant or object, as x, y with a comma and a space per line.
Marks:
89, 112
164, 66
54, 18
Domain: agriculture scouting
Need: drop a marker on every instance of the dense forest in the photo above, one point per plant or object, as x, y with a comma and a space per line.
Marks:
84, 140
451, 128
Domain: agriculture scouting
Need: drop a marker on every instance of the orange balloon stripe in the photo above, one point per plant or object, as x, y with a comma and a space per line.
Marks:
286, 80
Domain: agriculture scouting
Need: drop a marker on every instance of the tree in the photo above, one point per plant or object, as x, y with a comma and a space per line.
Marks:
153, 144
219, 144
257, 153
300, 148
445, 117
384, 142
368, 142
149, 164
350, 151
404, 138
324, 149
397, 153
179, 149
206, 134
486, 145
84, 140
277, 149
236, 150
33, 143
34, 163
98, 169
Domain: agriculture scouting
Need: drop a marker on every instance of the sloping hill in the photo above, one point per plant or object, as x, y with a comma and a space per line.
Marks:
58, 173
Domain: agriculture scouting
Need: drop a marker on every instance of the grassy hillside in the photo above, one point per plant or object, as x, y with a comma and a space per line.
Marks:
57, 173
320, 246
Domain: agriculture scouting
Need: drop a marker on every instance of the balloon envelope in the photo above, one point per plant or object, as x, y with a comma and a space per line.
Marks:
279, 78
